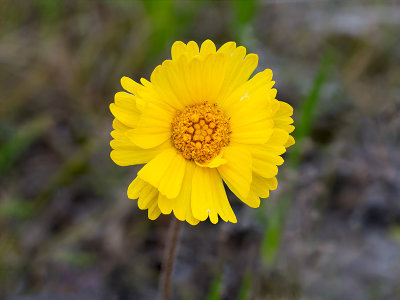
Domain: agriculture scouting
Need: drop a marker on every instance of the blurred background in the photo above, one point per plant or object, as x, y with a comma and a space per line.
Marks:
330, 231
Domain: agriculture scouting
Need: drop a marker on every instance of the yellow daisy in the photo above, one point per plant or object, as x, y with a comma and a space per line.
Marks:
199, 122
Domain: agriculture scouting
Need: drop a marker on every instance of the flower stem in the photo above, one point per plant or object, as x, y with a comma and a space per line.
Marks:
169, 257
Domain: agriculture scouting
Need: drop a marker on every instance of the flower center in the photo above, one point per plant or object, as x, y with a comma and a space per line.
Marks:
200, 131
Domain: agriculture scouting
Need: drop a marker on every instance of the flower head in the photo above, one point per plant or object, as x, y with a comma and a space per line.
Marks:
200, 121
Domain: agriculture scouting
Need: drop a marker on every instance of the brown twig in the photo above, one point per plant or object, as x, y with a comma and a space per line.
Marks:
169, 257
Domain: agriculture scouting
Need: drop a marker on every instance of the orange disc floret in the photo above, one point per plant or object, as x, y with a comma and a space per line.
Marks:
200, 131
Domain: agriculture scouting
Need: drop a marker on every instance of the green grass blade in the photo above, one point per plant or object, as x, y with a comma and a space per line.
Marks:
245, 288
307, 110
276, 222
213, 294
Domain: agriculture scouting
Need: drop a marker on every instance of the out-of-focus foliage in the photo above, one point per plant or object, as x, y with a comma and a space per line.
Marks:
330, 231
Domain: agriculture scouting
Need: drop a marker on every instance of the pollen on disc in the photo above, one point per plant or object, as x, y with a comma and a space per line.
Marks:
200, 131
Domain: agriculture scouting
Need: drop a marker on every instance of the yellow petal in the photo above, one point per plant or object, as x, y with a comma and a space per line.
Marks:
175, 73
227, 48
142, 190
165, 204
192, 49
147, 138
254, 89
264, 168
289, 142
155, 116
135, 188
278, 138
284, 124
156, 168
262, 186
214, 71
195, 83
154, 212
215, 162
164, 87
127, 117
208, 197
268, 148
120, 140
222, 204
120, 132
127, 155
202, 197
178, 48
257, 132
248, 108
285, 110
147, 195
252, 199
282, 117
208, 47
182, 205
153, 128
192, 221
247, 68
272, 183
117, 125
238, 71
237, 172
233, 67
150, 95
131, 86
171, 183
266, 157
124, 108
126, 101
265, 163
165, 172
140, 92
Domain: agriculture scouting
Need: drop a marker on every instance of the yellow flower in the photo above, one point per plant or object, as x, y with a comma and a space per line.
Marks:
200, 121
